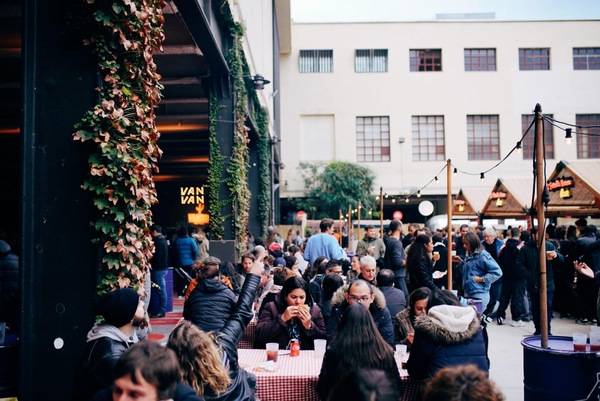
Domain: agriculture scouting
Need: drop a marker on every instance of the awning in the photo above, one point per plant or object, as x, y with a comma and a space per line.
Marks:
574, 189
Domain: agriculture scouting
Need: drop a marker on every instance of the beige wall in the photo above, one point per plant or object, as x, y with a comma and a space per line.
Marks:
453, 93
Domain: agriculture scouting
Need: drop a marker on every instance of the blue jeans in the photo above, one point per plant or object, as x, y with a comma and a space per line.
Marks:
159, 278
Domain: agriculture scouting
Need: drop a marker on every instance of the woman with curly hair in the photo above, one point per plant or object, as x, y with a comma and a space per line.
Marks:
209, 361
418, 262
461, 383
356, 345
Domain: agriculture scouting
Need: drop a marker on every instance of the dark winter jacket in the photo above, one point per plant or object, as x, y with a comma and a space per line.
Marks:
421, 271
315, 288
209, 305
379, 312
243, 383
187, 251
528, 261
446, 336
507, 259
9, 286
271, 328
96, 367
160, 260
394, 257
394, 299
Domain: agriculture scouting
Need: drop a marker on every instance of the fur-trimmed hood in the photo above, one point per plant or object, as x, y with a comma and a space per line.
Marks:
339, 297
449, 324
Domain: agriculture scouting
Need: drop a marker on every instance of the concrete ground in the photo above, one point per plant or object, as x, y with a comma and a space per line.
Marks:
506, 352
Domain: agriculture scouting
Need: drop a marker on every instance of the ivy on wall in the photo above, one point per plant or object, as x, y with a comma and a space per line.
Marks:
122, 126
217, 162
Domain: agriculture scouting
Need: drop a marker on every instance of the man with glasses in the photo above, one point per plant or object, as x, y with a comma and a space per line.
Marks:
360, 291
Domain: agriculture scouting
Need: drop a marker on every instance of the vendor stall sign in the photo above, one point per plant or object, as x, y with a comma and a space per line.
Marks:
563, 184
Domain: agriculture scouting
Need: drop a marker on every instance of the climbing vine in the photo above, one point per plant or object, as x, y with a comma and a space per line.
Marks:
215, 175
122, 127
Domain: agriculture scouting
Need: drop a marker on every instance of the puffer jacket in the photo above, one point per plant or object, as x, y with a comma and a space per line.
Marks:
209, 305
187, 251
480, 264
271, 328
446, 336
379, 312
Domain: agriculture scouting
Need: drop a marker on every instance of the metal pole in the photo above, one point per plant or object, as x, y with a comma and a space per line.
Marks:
381, 211
541, 184
351, 229
449, 208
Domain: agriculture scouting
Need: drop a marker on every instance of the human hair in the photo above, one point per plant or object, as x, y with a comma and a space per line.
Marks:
442, 297
417, 249
369, 227
154, 363
325, 224
290, 261
435, 238
395, 225
292, 249
473, 241
417, 295
331, 264
319, 265
368, 260
357, 343
414, 226
515, 232
249, 255
156, 227
330, 285
365, 385
280, 274
385, 278
491, 231
199, 358
292, 284
208, 271
360, 282
182, 232
461, 383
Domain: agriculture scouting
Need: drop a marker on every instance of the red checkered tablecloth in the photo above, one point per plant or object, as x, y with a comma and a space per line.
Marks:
247, 340
296, 377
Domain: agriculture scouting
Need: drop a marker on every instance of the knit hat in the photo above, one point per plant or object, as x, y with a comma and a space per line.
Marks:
118, 306
211, 260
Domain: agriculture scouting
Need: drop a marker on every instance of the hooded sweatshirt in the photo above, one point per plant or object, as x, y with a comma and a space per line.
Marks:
446, 336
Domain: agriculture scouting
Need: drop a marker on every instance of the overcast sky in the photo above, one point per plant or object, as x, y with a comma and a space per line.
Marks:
426, 10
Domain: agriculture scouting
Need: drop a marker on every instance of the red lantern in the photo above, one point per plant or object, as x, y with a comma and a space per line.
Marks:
397, 215
300, 215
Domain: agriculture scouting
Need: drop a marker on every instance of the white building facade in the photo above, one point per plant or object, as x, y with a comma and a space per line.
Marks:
402, 98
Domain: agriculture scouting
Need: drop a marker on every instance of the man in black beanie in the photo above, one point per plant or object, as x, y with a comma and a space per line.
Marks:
122, 311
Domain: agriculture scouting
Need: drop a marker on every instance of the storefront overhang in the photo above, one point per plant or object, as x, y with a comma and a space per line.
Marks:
574, 189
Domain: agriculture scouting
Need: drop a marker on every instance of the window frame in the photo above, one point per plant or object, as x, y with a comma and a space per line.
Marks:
421, 139
588, 139
364, 143
318, 61
583, 60
468, 59
479, 147
530, 61
529, 140
418, 60
371, 61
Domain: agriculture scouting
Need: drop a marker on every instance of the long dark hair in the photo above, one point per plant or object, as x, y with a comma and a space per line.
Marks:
417, 250
290, 285
474, 242
417, 295
357, 343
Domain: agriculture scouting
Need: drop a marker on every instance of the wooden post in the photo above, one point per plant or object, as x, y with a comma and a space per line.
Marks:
541, 235
381, 211
449, 206
358, 219
350, 229
340, 229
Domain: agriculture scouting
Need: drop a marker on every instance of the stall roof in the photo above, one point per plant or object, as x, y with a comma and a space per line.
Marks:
474, 199
516, 195
582, 179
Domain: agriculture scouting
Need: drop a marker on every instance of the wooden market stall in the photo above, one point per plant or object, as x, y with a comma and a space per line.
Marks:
574, 189
469, 202
510, 198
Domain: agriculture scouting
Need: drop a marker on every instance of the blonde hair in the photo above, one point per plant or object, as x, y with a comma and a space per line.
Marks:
199, 356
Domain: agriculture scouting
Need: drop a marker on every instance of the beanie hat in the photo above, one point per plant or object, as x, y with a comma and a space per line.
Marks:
118, 306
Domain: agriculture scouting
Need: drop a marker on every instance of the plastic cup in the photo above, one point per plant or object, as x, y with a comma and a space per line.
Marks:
272, 351
595, 339
579, 341
320, 347
436, 256
400, 351
549, 255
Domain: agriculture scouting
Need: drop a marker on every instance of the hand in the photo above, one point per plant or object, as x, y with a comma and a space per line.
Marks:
258, 267
584, 269
478, 279
371, 250
290, 312
304, 316
410, 337
456, 259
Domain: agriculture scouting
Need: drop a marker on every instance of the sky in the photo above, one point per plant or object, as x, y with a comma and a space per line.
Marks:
426, 10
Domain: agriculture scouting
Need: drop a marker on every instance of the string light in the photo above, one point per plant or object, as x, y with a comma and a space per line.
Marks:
418, 194
568, 135
455, 171
393, 200
406, 200
519, 147
482, 177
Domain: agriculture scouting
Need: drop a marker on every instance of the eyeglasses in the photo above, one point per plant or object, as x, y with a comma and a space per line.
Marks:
362, 299
337, 272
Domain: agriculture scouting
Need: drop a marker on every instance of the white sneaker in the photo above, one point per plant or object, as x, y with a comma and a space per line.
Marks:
518, 323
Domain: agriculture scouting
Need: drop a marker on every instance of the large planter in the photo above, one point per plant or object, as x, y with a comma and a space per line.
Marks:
558, 373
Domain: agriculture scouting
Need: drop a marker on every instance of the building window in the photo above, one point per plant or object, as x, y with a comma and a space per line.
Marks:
428, 138
534, 59
586, 58
588, 139
371, 60
529, 140
373, 139
426, 60
480, 59
316, 61
483, 137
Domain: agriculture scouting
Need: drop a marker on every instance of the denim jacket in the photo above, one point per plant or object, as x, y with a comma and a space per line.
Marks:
481, 264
